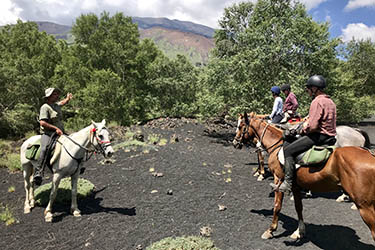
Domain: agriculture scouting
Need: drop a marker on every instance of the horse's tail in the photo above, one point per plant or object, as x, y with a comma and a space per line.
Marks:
367, 138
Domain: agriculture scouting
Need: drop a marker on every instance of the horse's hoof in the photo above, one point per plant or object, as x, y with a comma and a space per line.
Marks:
354, 207
342, 198
260, 178
292, 198
48, 217
32, 203
77, 213
26, 210
256, 174
296, 235
267, 235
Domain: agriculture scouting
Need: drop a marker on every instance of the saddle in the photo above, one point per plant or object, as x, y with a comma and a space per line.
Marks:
317, 155
52, 152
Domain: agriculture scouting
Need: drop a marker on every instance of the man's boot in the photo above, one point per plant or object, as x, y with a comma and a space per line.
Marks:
286, 186
38, 178
38, 171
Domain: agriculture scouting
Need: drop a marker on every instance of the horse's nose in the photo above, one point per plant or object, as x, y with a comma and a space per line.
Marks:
109, 152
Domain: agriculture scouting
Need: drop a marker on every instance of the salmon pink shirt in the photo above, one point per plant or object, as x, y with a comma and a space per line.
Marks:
322, 116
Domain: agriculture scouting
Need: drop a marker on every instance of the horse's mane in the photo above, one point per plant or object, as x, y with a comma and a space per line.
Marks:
275, 129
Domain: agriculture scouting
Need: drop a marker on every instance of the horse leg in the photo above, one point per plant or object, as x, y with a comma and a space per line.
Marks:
74, 207
368, 216
29, 200
301, 230
261, 166
48, 216
279, 196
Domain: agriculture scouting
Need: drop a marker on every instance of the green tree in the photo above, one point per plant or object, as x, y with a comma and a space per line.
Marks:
27, 62
260, 45
356, 89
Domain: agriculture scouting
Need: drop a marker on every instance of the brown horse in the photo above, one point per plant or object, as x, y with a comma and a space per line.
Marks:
261, 153
351, 169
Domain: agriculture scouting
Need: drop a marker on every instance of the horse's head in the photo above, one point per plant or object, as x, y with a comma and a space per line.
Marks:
100, 139
244, 132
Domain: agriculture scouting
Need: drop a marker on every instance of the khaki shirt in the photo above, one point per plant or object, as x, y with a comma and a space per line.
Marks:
53, 115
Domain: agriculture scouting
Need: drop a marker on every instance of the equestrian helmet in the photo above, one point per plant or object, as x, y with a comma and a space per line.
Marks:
275, 90
285, 87
316, 81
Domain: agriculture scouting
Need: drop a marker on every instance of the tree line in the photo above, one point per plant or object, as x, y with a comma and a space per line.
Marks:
115, 75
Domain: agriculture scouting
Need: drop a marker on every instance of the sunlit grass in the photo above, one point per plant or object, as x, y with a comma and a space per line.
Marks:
6, 215
84, 188
184, 243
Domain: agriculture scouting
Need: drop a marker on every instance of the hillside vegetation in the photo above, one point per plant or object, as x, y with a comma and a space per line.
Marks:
173, 37
113, 74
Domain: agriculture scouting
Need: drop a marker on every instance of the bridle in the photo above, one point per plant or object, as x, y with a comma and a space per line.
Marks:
261, 147
100, 147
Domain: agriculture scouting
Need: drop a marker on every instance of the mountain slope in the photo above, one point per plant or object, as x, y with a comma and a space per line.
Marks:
171, 36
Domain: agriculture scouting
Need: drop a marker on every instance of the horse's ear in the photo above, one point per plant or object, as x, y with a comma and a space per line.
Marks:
103, 122
93, 123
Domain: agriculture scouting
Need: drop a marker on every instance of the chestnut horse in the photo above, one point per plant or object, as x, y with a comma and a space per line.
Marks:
261, 154
351, 169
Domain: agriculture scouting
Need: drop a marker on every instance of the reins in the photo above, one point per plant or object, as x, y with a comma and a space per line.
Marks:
260, 139
88, 152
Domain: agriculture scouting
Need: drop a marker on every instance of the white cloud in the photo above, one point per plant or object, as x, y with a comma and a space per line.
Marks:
9, 12
206, 12
311, 4
355, 4
358, 31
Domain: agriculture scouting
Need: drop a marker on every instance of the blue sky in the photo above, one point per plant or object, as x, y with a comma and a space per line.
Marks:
348, 18
355, 18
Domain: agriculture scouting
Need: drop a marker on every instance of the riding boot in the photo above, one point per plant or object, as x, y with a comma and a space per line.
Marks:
286, 186
38, 174
39, 169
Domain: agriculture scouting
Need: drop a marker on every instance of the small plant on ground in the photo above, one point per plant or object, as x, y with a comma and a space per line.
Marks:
84, 188
153, 139
184, 243
163, 142
6, 215
11, 189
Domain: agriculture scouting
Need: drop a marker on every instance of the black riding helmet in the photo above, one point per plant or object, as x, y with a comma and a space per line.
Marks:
285, 87
316, 81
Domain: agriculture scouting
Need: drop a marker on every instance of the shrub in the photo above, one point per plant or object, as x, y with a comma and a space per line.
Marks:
183, 243
84, 188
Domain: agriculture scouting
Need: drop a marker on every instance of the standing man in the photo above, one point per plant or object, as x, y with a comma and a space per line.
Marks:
291, 104
318, 129
50, 120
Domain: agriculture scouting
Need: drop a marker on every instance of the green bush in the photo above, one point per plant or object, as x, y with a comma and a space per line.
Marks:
183, 243
20, 120
6, 215
11, 161
84, 188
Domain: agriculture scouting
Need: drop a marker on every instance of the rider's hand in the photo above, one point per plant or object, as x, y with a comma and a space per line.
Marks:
59, 131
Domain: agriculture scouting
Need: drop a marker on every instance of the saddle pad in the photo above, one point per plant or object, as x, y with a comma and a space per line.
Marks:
316, 155
33, 150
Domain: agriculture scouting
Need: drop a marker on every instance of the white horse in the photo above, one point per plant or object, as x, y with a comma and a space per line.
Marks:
69, 154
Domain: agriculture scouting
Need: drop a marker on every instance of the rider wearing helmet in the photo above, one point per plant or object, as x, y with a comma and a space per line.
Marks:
291, 104
277, 111
318, 129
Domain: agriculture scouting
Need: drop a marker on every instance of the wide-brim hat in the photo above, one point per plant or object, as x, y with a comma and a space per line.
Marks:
48, 92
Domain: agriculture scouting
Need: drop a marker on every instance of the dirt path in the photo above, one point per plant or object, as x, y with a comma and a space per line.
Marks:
200, 172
